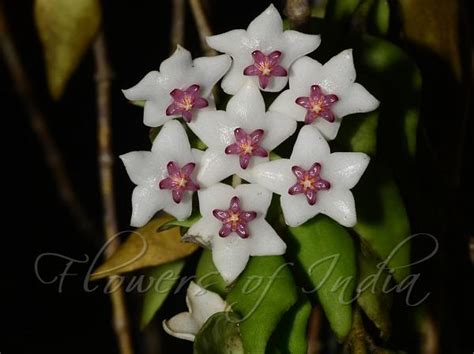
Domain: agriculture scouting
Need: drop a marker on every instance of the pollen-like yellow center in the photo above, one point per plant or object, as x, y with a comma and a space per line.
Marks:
187, 103
308, 182
247, 148
316, 107
180, 181
265, 68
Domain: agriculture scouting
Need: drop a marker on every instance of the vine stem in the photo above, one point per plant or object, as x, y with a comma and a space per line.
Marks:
202, 25
177, 24
52, 154
105, 161
314, 329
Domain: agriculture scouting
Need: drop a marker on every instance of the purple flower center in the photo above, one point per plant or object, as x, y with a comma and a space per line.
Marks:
308, 182
234, 219
247, 146
185, 101
265, 66
179, 180
317, 105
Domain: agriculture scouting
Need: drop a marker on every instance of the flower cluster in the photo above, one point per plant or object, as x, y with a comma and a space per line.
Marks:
240, 140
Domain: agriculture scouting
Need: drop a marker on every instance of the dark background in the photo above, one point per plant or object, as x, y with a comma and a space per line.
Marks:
38, 318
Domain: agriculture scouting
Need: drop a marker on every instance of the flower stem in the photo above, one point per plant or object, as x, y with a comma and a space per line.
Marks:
177, 24
104, 137
202, 25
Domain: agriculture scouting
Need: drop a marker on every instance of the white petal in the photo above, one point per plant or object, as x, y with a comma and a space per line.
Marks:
180, 211
304, 73
285, 104
248, 106
338, 204
217, 196
203, 303
276, 175
230, 255
172, 143
215, 128
178, 64
146, 201
182, 326
204, 230
154, 113
310, 147
234, 79
197, 156
298, 44
229, 42
279, 128
145, 89
254, 198
142, 167
209, 70
266, 26
338, 73
355, 100
344, 169
216, 166
328, 129
296, 209
264, 241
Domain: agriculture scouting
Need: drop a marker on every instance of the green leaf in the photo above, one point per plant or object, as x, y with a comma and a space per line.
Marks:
371, 296
341, 11
359, 133
291, 334
219, 335
382, 221
66, 29
163, 278
208, 276
263, 293
325, 252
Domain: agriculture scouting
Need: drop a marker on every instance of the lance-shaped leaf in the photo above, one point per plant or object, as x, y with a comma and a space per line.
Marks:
372, 296
162, 279
66, 29
219, 335
263, 293
382, 220
208, 276
326, 255
359, 133
291, 334
145, 247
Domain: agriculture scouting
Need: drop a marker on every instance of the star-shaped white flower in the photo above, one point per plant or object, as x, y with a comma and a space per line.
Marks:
313, 180
321, 95
240, 137
233, 225
202, 304
264, 52
181, 88
165, 176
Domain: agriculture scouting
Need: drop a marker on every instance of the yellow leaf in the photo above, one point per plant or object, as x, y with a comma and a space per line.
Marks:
66, 29
145, 247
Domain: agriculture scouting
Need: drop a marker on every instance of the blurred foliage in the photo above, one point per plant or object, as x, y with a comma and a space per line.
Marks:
66, 30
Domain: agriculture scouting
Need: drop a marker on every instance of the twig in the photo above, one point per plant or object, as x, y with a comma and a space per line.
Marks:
104, 137
202, 25
177, 24
52, 154
314, 328
298, 12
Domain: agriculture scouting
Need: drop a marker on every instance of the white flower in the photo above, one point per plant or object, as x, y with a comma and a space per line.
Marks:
240, 137
182, 87
202, 304
313, 180
322, 94
233, 225
264, 50
164, 176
